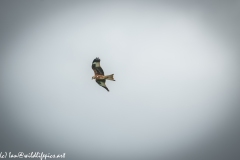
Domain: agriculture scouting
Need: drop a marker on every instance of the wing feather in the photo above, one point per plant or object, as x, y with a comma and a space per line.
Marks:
96, 67
102, 83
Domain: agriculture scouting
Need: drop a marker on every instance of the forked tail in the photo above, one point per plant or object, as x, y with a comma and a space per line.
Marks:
110, 77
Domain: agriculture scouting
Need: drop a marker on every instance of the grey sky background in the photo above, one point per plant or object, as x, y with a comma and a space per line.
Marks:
176, 65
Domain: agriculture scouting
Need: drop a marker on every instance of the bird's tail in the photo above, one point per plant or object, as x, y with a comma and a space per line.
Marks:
110, 77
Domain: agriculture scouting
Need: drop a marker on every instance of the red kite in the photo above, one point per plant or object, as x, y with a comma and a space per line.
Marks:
99, 74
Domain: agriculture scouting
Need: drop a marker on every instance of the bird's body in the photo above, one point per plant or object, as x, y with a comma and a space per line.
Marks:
99, 74
99, 77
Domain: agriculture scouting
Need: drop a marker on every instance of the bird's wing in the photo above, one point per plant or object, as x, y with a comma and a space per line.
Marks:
96, 67
101, 82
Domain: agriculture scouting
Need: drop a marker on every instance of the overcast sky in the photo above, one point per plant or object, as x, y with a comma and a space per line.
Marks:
176, 65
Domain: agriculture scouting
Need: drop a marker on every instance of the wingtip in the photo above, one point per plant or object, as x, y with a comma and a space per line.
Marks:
96, 59
106, 88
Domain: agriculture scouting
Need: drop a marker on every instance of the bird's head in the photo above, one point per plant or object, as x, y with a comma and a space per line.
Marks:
93, 77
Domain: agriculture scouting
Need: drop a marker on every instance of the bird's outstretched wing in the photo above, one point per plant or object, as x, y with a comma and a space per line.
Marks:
102, 83
96, 67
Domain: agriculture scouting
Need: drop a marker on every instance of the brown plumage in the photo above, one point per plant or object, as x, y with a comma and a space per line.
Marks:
99, 74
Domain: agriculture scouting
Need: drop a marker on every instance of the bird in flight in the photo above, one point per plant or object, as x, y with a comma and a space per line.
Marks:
99, 74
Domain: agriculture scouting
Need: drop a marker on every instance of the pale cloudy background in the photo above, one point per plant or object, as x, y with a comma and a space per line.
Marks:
176, 65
